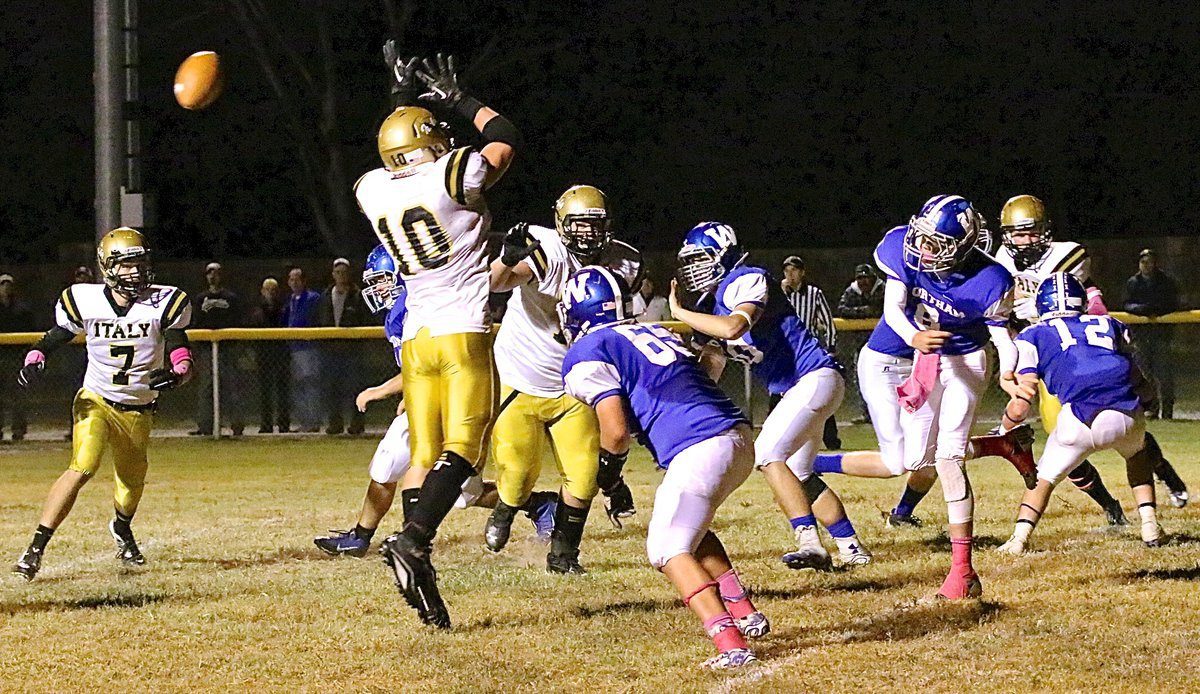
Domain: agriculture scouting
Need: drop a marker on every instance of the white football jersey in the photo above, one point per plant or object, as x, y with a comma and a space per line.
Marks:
123, 344
1062, 256
529, 357
434, 222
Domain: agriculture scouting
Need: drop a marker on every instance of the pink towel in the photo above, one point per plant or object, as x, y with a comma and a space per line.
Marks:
916, 388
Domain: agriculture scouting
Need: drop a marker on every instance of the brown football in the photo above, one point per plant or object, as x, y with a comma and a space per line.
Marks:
198, 80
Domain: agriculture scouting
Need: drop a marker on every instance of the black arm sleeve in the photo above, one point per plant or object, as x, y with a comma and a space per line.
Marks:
53, 339
173, 339
501, 129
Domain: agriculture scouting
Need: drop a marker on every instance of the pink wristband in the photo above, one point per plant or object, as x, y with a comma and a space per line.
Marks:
181, 355
34, 356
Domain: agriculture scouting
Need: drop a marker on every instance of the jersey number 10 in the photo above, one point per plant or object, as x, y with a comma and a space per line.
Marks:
423, 245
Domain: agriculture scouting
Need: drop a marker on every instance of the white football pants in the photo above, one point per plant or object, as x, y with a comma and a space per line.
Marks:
792, 432
1072, 441
393, 456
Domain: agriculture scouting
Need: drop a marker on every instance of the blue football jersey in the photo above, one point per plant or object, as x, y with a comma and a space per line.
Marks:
1083, 360
963, 302
393, 326
675, 403
779, 347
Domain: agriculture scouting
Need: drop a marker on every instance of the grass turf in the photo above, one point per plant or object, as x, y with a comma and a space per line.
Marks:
234, 595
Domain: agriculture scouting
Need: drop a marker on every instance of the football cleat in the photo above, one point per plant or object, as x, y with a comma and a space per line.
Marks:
754, 625
1152, 534
854, 555
127, 549
1020, 453
541, 508
731, 659
1115, 514
896, 521
1179, 498
416, 579
960, 586
29, 563
499, 526
1013, 546
564, 563
811, 554
343, 542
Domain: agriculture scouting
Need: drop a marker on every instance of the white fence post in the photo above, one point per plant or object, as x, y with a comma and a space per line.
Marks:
748, 384
216, 389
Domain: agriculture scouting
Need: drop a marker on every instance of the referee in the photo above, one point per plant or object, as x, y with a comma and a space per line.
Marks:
809, 304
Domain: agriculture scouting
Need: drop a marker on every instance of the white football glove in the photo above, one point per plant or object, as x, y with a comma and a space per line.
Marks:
1025, 309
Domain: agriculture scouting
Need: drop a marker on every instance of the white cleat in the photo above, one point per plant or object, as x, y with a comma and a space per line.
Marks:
1152, 534
1178, 499
811, 553
1014, 547
731, 659
854, 555
754, 625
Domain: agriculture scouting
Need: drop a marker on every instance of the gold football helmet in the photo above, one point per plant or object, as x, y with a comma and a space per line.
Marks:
411, 136
583, 221
124, 260
1025, 216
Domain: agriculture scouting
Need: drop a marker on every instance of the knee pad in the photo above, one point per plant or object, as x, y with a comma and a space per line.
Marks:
955, 485
662, 547
814, 486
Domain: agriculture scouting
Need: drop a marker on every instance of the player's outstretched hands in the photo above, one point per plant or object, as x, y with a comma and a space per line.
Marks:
441, 79
518, 245
405, 84
1015, 389
618, 503
35, 364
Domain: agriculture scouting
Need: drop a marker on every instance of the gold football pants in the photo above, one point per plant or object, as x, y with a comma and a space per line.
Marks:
97, 426
525, 424
1049, 407
450, 392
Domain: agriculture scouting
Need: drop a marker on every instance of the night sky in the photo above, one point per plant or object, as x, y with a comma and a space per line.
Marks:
800, 125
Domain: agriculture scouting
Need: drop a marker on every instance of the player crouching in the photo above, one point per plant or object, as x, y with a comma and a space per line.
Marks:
384, 291
696, 433
1085, 361
130, 326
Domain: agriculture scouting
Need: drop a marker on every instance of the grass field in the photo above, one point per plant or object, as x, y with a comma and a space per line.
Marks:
234, 595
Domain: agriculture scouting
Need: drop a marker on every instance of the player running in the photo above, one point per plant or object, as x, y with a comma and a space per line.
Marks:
131, 327
641, 378
1085, 361
427, 206
383, 291
534, 408
945, 298
753, 324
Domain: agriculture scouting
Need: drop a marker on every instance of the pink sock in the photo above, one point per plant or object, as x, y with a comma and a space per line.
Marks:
724, 632
733, 594
960, 552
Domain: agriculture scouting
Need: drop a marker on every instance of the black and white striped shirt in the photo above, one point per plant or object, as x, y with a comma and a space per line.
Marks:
811, 307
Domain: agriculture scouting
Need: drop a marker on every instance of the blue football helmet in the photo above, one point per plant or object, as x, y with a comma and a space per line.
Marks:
594, 297
1059, 295
941, 235
710, 252
381, 284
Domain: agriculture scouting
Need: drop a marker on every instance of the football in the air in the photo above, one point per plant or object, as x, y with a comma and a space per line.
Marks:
198, 80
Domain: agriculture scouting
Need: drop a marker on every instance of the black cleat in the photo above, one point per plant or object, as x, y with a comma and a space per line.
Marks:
127, 549
29, 564
340, 542
499, 526
896, 520
1115, 515
564, 563
416, 578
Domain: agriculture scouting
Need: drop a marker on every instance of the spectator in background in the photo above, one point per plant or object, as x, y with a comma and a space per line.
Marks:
301, 312
1152, 293
810, 305
648, 305
15, 317
272, 360
342, 306
862, 299
214, 308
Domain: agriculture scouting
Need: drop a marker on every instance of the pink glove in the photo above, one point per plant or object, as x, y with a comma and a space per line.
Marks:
181, 360
34, 356
1095, 303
